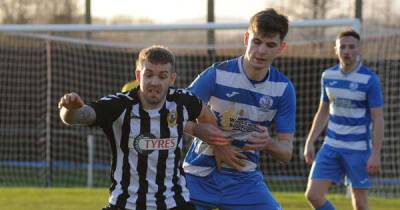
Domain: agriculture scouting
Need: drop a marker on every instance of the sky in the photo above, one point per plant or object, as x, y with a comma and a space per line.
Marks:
173, 11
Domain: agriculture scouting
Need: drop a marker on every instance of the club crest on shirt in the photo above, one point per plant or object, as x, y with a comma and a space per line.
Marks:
145, 144
265, 102
172, 118
353, 86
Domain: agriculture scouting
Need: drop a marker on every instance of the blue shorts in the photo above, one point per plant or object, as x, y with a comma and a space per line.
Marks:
230, 191
333, 164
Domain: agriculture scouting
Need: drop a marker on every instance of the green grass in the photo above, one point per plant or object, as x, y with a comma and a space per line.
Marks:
36, 177
296, 201
95, 199
53, 198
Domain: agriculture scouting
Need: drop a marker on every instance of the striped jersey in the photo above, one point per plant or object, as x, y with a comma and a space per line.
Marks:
239, 105
146, 147
350, 97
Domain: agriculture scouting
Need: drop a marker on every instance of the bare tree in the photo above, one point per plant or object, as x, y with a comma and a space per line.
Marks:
16, 11
310, 9
36, 11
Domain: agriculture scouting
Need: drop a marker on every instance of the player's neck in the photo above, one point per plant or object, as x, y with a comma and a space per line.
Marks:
256, 74
348, 68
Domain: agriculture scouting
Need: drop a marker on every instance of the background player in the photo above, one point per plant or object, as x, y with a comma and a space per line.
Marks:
351, 100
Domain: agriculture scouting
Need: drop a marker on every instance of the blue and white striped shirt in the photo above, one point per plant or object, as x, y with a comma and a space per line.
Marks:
350, 97
239, 105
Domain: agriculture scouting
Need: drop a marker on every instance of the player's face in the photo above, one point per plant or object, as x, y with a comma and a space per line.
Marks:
262, 50
348, 50
154, 80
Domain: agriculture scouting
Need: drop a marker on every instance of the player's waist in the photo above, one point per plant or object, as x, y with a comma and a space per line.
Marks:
202, 165
352, 145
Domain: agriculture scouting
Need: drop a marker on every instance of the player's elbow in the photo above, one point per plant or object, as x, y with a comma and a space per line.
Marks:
287, 157
65, 116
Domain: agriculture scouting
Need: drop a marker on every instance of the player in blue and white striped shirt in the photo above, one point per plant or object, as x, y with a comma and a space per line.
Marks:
247, 95
352, 108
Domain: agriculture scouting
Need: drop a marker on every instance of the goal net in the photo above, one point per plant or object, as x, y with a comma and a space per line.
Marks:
38, 64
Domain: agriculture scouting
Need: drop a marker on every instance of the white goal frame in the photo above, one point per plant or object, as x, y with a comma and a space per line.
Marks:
47, 29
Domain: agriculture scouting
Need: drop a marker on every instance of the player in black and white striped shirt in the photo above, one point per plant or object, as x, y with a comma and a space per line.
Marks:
145, 128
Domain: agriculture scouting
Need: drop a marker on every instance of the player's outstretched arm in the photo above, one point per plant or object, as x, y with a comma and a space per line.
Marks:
73, 110
207, 132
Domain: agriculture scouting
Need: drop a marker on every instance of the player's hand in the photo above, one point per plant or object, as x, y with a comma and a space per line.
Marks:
229, 155
70, 101
309, 153
259, 140
374, 164
210, 134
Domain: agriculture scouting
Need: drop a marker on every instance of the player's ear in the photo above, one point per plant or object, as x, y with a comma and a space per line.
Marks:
336, 48
246, 38
137, 75
282, 47
172, 79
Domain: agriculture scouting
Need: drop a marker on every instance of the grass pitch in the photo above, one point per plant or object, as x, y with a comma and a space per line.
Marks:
96, 198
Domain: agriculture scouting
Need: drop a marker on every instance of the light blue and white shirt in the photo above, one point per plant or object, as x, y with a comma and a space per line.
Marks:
239, 105
350, 97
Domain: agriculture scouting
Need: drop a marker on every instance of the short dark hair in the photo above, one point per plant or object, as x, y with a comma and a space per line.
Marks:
349, 32
156, 54
269, 22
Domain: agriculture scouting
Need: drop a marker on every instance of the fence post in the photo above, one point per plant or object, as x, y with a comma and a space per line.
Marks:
91, 145
49, 159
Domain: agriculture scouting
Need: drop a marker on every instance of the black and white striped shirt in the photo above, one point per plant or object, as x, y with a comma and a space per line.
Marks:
146, 148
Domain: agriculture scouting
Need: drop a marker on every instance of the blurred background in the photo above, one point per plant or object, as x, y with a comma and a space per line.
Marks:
377, 15
37, 66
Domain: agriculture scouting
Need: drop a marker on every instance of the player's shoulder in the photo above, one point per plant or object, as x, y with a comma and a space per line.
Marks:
369, 74
230, 65
366, 70
334, 68
182, 96
331, 70
128, 96
178, 93
278, 76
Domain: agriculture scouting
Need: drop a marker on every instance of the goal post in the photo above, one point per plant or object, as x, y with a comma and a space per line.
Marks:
40, 63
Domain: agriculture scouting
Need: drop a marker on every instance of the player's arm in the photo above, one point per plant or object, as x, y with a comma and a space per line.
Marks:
206, 128
319, 123
223, 152
374, 161
280, 148
73, 110
375, 102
